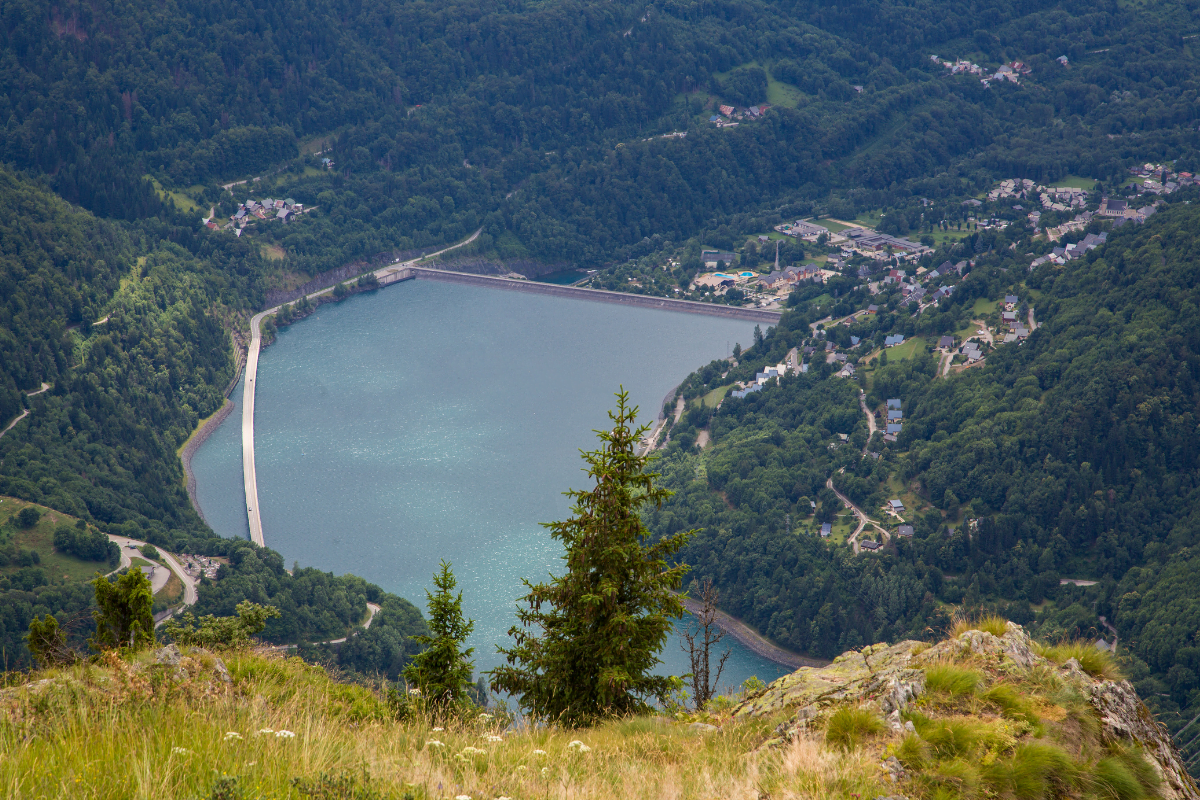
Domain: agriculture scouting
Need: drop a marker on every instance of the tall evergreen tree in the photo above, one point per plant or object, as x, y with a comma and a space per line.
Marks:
589, 640
443, 670
124, 612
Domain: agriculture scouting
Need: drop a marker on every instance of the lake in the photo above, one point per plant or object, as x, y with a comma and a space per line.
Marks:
432, 421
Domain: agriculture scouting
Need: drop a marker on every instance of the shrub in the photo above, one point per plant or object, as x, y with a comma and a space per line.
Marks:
221, 632
27, 517
150, 552
951, 679
848, 727
85, 544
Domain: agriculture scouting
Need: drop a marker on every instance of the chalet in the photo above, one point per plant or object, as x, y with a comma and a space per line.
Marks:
905, 530
826, 529
946, 343
894, 428
896, 506
869, 545
893, 340
872, 309
895, 414
893, 402
740, 393
1009, 316
1010, 299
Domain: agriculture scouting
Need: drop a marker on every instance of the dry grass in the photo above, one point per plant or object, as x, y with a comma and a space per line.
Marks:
990, 623
116, 731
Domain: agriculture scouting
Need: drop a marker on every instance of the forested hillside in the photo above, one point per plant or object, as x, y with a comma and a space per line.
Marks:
537, 121
1074, 454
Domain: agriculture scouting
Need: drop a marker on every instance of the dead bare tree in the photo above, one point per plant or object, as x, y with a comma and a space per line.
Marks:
698, 641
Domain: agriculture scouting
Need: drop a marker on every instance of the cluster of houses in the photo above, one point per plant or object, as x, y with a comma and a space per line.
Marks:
761, 379
729, 114
195, 566
267, 209
1006, 72
865, 241
1061, 255
1160, 179
895, 419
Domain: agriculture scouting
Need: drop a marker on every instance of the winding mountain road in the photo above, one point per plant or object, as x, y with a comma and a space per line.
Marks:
249, 474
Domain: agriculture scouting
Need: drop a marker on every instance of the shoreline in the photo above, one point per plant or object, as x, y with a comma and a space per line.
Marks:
198, 437
753, 641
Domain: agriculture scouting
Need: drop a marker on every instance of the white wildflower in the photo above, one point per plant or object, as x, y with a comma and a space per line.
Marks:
521, 768
545, 772
264, 732
491, 737
181, 751
485, 717
578, 745
232, 735
462, 797
285, 734
434, 743
539, 752
474, 751
438, 730
502, 797
415, 692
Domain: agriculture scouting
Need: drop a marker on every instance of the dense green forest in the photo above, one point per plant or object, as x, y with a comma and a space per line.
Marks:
1075, 454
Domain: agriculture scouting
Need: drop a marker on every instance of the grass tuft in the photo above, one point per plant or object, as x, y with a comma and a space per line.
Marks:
990, 623
1097, 663
951, 679
849, 727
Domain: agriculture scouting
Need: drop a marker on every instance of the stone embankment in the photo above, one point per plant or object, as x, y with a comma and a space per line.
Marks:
768, 316
752, 641
193, 444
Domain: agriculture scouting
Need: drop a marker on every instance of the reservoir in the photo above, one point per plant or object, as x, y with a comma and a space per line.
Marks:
432, 421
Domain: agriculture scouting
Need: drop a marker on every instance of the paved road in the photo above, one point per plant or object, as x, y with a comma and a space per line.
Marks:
189, 583
12, 424
871, 426
372, 610
1033, 326
863, 519
249, 474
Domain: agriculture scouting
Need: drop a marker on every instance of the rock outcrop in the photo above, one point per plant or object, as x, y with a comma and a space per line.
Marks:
888, 678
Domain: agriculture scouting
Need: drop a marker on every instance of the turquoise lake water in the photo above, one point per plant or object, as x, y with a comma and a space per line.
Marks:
433, 421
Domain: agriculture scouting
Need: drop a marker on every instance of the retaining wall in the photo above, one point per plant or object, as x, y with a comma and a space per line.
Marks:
594, 295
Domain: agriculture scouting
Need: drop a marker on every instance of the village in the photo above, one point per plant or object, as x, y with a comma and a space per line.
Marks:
266, 210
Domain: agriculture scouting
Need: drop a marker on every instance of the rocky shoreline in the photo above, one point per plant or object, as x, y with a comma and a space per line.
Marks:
751, 640
193, 444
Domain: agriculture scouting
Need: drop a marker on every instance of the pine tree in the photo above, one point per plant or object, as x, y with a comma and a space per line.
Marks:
443, 670
589, 640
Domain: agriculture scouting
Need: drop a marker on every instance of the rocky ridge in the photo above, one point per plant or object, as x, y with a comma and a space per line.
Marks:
891, 680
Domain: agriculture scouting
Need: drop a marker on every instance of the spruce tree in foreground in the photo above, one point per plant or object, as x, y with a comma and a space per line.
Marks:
589, 640
443, 670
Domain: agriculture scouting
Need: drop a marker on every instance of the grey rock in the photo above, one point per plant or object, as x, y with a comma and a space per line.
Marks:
894, 769
222, 672
703, 727
1125, 717
168, 655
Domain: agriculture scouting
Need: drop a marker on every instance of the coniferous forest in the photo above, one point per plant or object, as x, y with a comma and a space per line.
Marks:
554, 130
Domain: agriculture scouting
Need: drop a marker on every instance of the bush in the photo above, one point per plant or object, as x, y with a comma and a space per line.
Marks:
150, 552
848, 727
221, 632
27, 517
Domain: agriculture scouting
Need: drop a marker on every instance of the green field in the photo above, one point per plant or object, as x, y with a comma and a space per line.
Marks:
906, 351
982, 307
59, 568
1075, 182
829, 225
714, 397
843, 525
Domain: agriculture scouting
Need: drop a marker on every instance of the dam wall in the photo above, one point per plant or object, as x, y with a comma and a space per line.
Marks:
387, 277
